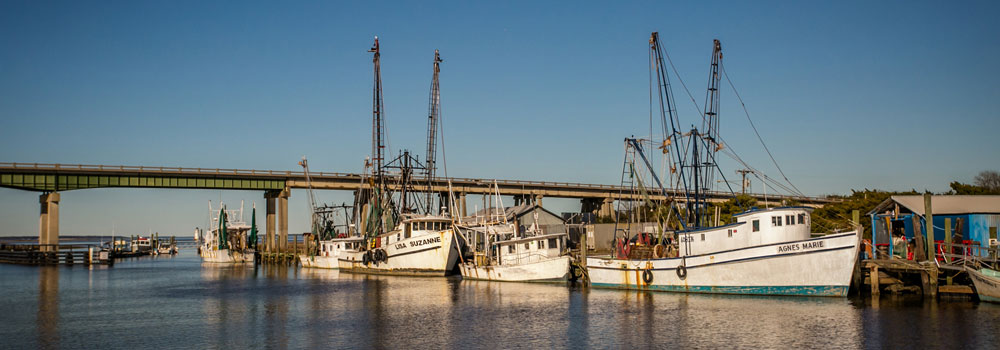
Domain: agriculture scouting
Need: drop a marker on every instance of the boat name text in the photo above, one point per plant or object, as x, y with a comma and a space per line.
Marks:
800, 246
419, 242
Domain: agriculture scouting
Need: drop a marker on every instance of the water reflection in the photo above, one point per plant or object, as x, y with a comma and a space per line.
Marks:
189, 305
47, 321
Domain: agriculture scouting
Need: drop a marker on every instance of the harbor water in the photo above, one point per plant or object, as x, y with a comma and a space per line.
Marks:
177, 302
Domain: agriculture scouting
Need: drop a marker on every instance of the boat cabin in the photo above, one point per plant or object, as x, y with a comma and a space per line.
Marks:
752, 228
416, 227
334, 247
530, 249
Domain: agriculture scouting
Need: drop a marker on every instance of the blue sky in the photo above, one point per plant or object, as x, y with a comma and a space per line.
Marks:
848, 95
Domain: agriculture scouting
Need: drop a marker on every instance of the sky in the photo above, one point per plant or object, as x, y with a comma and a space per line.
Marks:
893, 95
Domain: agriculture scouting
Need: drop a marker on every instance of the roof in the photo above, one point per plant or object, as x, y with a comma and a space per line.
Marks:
944, 204
515, 211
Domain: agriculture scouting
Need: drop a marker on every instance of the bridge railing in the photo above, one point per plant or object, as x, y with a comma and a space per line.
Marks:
320, 175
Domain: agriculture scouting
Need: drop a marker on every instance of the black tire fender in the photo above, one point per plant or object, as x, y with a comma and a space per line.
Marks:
647, 276
682, 272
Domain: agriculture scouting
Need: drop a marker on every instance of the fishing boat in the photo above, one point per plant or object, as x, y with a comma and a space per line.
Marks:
762, 251
987, 282
229, 239
400, 236
421, 245
502, 251
535, 257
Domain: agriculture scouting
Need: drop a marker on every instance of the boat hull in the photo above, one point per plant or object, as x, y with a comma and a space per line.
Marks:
225, 256
319, 262
431, 254
548, 270
814, 267
987, 287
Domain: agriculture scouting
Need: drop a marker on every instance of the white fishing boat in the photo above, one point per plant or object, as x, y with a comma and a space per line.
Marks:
534, 258
328, 253
229, 239
769, 251
419, 246
987, 282
504, 251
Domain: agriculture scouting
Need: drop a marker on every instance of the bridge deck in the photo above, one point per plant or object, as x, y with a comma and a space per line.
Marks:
64, 177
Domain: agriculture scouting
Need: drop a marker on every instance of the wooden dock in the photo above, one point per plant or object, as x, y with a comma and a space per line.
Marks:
54, 254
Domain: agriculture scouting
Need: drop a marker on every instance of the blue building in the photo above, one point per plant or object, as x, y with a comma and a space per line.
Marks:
973, 218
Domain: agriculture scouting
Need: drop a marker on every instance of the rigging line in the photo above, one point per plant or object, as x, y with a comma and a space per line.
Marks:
696, 107
732, 154
725, 73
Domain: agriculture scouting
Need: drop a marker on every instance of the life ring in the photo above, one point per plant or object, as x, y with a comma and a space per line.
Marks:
647, 276
682, 272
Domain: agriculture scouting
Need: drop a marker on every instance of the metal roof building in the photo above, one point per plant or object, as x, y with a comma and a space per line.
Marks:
973, 218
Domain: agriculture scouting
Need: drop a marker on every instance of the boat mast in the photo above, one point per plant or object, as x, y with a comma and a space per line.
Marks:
378, 122
433, 114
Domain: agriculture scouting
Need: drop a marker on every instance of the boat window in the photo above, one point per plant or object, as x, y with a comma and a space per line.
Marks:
730, 232
776, 221
703, 236
802, 218
510, 249
756, 225
526, 246
553, 243
541, 244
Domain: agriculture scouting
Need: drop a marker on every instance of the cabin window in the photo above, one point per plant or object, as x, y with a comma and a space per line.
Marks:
756, 225
730, 233
510, 249
776, 221
553, 243
802, 218
526, 246
541, 244
702, 236
789, 220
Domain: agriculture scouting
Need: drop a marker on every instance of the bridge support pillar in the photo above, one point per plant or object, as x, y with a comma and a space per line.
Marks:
48, 220
269, 240
461, 204
591, 206
283, 218
608, 208
538, 200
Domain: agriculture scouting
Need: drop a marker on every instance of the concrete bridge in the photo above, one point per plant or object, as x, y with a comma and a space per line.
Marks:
51, 179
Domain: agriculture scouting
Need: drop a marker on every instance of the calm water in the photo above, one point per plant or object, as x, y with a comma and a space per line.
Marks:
176, 302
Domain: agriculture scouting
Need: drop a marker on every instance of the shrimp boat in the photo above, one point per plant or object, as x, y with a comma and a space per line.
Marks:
229, 239
333, 236
421, 245
535, 257
768, 251
987, 282
400, 237
501, 253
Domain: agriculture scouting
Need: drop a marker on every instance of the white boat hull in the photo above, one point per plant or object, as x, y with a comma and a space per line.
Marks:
987, 287
548, 270
224, 256
319, 262
819, 266
431, 254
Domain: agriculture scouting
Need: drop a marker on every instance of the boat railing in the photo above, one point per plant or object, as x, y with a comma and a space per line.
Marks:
954, 256
527, 258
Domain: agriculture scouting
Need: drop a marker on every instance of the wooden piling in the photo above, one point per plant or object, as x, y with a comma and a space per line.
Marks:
873, 279
929, 225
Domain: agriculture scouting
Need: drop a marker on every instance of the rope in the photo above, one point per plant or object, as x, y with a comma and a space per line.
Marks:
745, 111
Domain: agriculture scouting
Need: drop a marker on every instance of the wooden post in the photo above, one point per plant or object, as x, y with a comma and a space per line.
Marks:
873, 278
929, 225
918, 255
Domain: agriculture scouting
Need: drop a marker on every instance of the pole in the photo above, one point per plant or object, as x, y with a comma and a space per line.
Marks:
929, 225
